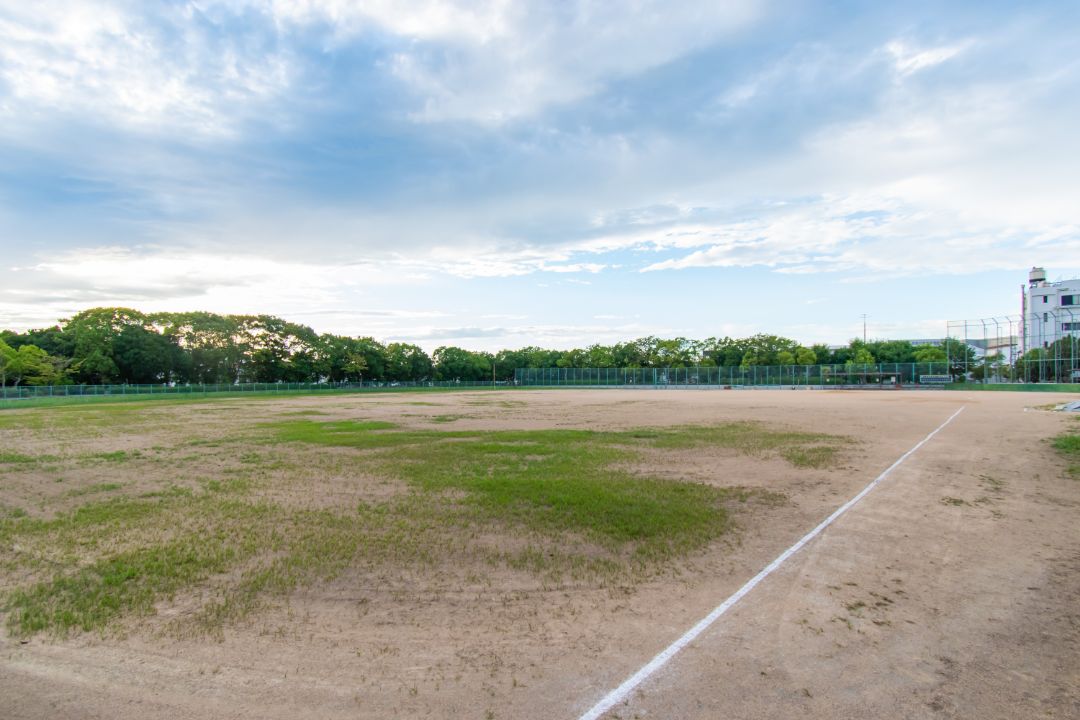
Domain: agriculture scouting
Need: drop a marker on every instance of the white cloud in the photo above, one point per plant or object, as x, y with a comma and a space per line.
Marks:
868, 234
101, 60
495, 61
560, 336
908, 60
496, 259
175, 279
478, 21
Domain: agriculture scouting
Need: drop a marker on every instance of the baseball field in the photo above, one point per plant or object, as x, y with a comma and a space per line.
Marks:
521, 554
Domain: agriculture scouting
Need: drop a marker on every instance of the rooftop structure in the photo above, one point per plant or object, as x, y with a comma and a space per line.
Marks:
1051, 310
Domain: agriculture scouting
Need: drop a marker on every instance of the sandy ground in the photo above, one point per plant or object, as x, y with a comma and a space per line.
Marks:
950, 591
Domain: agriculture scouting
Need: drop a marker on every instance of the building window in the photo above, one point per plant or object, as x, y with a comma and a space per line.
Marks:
1069, 299
1070, 327
1045, 299
1046, 317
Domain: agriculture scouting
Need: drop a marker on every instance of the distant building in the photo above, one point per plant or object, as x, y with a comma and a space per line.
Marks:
1051, 310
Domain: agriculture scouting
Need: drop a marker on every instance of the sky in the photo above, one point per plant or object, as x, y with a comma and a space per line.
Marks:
496, 174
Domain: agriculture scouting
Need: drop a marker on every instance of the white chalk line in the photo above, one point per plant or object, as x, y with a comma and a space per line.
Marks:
620, 693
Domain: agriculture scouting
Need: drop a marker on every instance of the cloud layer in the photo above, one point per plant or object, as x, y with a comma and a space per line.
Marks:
312, 158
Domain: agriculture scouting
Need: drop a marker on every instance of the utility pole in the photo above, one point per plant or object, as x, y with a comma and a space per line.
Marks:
864, 328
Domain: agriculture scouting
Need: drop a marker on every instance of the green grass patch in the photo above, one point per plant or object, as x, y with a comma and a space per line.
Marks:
8, 512
557, 481
1068, 446
126, 583
14, 458
548, 480
555, 503
117, 557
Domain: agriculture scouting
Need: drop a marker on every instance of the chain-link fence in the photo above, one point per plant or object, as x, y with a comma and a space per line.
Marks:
847, 375
1039, 347
32, 392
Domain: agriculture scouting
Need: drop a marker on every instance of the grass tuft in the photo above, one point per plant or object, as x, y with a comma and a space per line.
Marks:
1068, 446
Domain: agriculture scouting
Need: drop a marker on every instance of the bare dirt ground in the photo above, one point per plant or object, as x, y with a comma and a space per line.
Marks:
948, 592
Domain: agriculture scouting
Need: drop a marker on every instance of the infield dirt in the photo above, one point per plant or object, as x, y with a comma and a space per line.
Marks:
950, 591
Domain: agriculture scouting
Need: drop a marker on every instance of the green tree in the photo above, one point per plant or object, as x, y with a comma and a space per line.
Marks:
507, 361
764, 349
52, 340
929, 354
93, 336
212, 348
28, 365
144, 356
823, 354
628, 355
571, 359
599, 356
7, 361
345, 359
454, 363
405, 362
961, 356
892, 351
860, 356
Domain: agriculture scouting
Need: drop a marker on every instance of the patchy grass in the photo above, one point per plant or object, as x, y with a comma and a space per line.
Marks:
247, 393
14, 458
8, 512
94, 489
801, 449
116, 456
564, 480
559, 504
129, 582
550, 481
1068, 446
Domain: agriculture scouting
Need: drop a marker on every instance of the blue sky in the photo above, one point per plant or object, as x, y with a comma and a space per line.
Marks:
500, 174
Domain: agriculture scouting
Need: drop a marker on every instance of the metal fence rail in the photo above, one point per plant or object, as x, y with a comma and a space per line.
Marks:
848, 375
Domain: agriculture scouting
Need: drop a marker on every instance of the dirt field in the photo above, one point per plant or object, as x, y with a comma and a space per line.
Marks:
950, 591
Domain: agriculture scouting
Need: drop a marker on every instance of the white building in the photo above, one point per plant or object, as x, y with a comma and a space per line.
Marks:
1051, 310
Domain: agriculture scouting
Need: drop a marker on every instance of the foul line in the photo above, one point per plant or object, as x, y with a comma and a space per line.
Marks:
619, 694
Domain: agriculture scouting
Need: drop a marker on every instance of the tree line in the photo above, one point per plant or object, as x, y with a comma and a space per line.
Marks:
121, 345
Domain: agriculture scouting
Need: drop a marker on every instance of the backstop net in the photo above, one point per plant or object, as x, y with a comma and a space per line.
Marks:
1040, 347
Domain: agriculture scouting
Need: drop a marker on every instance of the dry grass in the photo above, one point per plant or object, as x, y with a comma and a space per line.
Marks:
192, 508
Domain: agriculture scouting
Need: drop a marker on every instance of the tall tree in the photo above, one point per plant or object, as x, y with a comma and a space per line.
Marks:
143, 356
29, 365
93, 336
405, 362
454, 363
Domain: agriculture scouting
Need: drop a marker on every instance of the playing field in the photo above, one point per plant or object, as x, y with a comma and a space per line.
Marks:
520, 554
